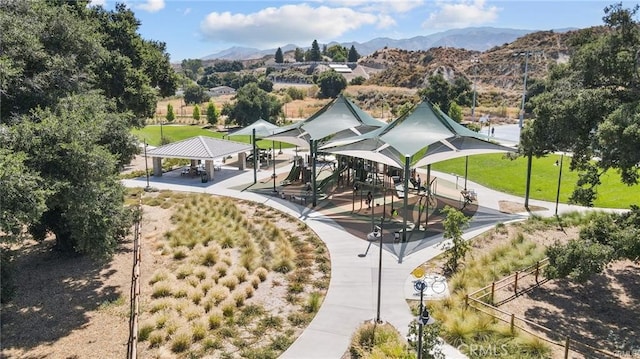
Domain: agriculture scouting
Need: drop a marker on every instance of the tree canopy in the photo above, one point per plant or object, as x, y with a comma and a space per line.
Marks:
591, 105
442, 93
279, 58
353, 55
253, 103
314, 53
331, 84
51, 50
75, 79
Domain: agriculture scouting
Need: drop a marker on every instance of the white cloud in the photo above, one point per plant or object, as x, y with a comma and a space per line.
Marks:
152, 5
300, 23
461, 14
186, 11
97, 2
383, 6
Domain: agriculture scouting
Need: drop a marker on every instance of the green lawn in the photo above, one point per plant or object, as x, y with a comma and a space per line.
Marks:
180, 132
502, 174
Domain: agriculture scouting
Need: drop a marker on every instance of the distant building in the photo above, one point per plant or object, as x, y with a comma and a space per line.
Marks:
340, 68
222, 90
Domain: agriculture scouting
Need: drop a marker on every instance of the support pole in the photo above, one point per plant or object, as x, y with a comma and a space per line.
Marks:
314, 153
273, 158
420, 324
466, 171
405, 210
528, 184
426, 222
255, 157
559, 181
379, 274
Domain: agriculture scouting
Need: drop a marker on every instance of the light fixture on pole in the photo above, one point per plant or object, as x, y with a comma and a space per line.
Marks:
559, 181
379, 273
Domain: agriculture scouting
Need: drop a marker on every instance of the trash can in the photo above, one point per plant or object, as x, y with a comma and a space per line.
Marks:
204, 177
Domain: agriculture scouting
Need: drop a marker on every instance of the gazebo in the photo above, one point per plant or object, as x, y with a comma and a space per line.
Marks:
201, 148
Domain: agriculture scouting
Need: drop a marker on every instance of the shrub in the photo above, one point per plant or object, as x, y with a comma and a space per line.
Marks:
198, 331
161, 289
219, 293
155, 339
228, 308
211, 343
215, 319
181, 342
144, 331
261, 273
314, 302
229, 281
158, 276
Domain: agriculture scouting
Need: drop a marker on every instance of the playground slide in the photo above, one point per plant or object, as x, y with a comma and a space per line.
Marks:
293, 175
331, 177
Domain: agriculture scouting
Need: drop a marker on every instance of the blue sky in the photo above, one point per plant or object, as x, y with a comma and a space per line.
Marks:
197, 28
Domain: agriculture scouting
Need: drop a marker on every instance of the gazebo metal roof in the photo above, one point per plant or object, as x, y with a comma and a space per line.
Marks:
200, 148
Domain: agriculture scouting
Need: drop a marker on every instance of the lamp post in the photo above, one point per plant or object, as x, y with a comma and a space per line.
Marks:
161, 135
559, 180
146, 167
379, 273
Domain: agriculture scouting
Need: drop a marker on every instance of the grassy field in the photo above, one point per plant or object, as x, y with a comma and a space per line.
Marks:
506, 175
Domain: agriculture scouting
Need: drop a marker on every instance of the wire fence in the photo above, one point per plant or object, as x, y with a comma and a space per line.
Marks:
488, 299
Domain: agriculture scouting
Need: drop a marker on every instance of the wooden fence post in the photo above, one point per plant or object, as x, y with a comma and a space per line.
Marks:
515, 285
566, 348
513, 317
493, 292
537, 270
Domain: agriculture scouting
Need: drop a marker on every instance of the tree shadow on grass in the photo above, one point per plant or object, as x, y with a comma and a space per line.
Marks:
54, 294
603, 313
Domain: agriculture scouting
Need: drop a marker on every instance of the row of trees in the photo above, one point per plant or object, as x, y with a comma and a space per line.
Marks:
75, 80
337, 53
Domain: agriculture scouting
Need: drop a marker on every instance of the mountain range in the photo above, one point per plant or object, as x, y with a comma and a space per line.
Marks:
470, 38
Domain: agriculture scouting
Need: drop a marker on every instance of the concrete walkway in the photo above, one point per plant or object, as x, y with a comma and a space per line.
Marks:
352, 294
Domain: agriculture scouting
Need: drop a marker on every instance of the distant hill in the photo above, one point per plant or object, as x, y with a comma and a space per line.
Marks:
471, 38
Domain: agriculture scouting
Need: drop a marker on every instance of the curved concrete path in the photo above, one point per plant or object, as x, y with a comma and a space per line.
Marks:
352, 294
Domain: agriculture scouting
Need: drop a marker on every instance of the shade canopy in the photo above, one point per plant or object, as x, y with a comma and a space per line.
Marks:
340, 118
424, 134
200, 148
262, 129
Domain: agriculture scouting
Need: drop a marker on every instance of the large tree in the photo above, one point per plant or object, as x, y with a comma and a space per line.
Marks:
314, 54
279, 57
52, 49
353, 54
253, 103
591, 105
331, 84
76, 148
75, 79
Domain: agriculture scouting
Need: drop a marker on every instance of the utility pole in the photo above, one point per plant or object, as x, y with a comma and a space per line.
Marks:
475, 62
